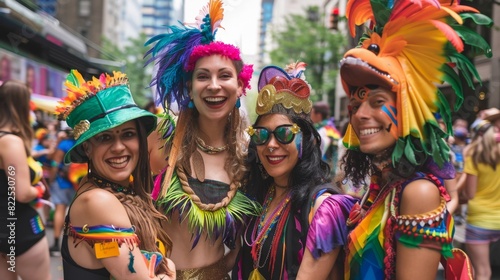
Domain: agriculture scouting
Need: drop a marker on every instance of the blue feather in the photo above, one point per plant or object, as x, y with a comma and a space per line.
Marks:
171, 53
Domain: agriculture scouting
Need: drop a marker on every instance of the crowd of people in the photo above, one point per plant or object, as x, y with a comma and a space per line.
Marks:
196, 191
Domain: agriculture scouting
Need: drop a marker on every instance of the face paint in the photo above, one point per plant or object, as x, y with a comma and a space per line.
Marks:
298, 143
361, 93
392, 113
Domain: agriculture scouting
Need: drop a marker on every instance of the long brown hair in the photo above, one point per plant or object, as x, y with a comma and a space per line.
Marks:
15, 110
184, 142
233, 134
484, 148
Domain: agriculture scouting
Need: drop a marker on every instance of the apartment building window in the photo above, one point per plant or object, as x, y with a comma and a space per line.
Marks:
84, 8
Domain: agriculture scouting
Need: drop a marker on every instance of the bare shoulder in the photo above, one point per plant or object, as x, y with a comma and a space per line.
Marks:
98, 207
12, 150
11, 141
419, 196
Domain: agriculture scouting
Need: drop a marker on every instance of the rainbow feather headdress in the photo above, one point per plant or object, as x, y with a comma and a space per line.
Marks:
78, 90
175, 55
411, 47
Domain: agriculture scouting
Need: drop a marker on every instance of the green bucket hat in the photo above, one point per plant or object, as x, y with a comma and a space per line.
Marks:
96, 106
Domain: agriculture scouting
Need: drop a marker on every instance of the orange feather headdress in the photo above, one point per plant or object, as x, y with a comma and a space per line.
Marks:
411, 47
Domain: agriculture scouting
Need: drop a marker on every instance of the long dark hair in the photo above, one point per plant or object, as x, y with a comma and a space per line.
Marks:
309, 172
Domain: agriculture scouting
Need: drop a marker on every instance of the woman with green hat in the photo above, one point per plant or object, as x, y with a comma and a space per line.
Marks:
112, 210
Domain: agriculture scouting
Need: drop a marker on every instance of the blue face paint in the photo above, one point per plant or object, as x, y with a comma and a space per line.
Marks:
298, 143
392, 113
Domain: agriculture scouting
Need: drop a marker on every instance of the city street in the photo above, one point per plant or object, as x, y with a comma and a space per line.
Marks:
55, 261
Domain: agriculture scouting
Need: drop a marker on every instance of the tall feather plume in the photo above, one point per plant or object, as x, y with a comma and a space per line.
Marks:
170, 53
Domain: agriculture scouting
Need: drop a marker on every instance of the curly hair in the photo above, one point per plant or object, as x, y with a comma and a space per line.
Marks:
309, 172
356, 166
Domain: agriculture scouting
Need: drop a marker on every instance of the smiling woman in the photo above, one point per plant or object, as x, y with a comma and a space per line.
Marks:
403, 229
300, 233
112, 210
201, 161
373, 119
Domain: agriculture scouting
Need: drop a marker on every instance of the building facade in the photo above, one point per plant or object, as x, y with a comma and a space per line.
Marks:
157, 15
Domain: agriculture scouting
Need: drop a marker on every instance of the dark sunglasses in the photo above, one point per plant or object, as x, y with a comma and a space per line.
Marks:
283, 133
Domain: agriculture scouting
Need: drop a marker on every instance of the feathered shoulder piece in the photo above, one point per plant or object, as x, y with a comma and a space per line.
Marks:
78, 90
171, 53
410, 47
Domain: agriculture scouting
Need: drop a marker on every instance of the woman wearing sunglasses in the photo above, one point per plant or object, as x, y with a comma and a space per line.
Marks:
291, 181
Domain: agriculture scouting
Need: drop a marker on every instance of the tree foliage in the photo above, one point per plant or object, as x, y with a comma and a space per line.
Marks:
307, 39
132, 56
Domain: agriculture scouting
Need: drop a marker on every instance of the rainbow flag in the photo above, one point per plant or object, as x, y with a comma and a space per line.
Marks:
45, 103
331, 131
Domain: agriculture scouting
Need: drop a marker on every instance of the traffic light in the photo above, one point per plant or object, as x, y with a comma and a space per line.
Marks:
334, 18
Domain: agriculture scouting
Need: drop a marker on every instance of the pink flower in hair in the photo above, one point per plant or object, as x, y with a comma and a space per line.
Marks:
245, 76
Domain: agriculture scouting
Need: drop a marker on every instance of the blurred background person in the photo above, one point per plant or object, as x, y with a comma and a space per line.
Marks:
482, 190
61, 188
320, 116
457, 145
43, 150
19, 172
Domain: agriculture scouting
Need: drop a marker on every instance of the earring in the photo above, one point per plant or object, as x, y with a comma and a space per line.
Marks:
191, 104
88, 167
238, 103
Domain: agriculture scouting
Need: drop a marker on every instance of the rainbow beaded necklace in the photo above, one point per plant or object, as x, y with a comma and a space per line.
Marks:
262, 229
